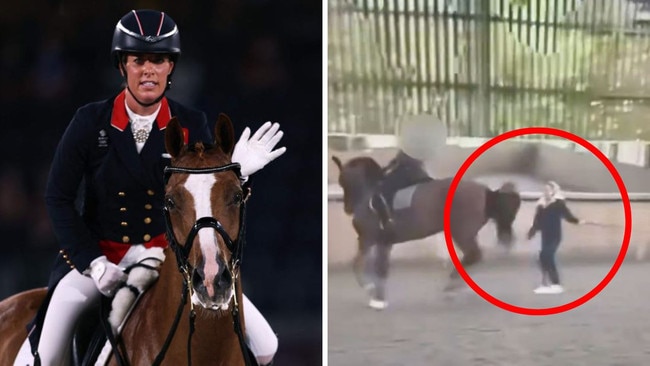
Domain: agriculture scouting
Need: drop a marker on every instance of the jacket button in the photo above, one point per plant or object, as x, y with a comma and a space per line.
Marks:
150, 192
146, 237
121, 194
147, 220
124, 223
122, 209
125, 239
148, 207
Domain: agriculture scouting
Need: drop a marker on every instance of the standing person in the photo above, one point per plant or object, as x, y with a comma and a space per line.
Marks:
114, 150
551, 209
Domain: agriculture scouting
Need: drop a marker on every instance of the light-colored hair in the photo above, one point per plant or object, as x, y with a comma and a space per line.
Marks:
556, 194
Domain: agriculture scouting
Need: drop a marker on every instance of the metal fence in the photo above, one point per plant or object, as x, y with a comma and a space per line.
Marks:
488, 66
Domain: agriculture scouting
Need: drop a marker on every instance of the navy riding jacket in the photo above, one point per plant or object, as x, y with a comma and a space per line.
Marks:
122, 190
403, 171
548, 220
100, 189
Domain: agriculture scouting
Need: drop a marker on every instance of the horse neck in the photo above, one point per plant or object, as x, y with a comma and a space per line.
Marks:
360, 189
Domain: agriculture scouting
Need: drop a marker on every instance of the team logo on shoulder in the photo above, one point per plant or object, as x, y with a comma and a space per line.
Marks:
102, 140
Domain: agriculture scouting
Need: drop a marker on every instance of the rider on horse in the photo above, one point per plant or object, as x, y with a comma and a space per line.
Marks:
114, 149
421, 138
403, 171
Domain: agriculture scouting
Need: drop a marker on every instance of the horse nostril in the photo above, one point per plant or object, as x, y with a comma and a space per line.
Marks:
197, 280
224, 281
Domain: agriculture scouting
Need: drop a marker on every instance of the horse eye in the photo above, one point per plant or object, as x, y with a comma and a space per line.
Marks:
238, 198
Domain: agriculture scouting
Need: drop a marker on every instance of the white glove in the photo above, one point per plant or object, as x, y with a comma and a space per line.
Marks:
106, 275
255, 153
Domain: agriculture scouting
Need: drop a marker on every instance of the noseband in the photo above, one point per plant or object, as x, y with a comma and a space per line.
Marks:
182, 253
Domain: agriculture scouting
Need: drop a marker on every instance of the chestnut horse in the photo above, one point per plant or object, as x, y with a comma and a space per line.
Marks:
473, 205
204, 209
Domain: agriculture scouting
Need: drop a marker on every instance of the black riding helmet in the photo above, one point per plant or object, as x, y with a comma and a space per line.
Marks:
146, 31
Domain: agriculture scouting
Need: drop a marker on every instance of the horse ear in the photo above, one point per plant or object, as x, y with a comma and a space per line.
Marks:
224, 134
174, 137
338, 163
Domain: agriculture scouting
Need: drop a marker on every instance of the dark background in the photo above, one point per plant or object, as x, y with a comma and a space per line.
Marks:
254, 60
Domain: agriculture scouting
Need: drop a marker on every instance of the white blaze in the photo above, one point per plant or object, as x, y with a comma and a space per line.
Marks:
200, 186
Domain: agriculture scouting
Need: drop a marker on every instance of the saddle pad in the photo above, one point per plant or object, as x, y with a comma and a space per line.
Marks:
404, 197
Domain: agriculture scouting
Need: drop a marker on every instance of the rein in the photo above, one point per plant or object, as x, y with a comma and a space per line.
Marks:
184, 267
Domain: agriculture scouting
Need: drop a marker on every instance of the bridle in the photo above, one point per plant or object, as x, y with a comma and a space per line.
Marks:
182, 253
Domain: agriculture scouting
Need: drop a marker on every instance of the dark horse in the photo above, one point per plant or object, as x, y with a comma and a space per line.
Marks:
204, 211
473, 205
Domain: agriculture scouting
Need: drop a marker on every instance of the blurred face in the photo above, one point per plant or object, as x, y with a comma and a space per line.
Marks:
147, 75
548, 191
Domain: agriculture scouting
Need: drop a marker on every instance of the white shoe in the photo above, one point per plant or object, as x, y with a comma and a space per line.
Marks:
377, 304
556, 289
552, 289
542, 289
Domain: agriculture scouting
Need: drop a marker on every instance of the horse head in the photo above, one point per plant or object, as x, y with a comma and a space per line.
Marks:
356, 177
203, 206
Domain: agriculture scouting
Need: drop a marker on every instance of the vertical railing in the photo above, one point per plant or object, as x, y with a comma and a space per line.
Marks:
488, 66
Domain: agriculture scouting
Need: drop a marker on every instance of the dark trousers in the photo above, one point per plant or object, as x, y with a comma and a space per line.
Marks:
547, 259
391, 183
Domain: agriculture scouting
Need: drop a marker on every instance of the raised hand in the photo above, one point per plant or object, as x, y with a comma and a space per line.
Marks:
254, 153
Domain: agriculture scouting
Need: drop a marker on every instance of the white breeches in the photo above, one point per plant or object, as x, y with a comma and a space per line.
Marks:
259, 336
76, 292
